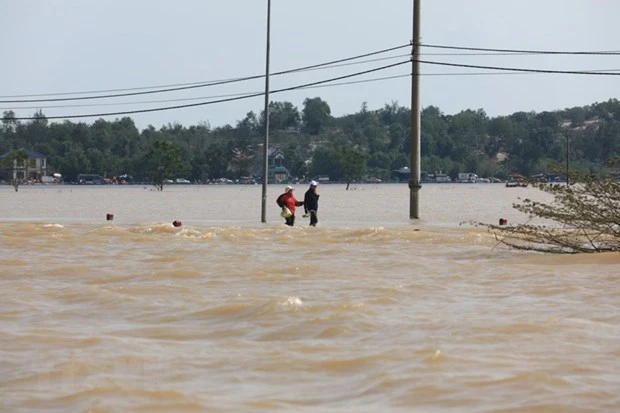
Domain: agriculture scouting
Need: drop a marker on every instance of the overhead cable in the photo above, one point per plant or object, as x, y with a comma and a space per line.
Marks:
85, 105
502, 72
516, 69
247, 96
523, 51
484, 54
174, 88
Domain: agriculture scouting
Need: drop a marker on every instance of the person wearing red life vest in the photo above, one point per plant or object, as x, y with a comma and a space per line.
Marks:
288, 200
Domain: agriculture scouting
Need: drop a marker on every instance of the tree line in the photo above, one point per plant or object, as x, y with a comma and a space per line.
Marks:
350, 147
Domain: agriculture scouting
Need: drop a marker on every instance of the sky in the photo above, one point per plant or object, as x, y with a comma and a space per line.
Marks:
70, 46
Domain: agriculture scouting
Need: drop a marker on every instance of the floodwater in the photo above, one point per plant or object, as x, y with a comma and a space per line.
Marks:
368, 312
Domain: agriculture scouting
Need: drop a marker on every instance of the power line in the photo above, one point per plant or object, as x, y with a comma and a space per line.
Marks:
331, 64
143, 102
516, 69
446, 74
476, 54
377, 79
213, 82
175, 87
489, 54
522, 51
501, 73
194, 85
249, 93
247, 96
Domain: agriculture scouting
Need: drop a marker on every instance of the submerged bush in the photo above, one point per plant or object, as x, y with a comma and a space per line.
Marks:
585, 216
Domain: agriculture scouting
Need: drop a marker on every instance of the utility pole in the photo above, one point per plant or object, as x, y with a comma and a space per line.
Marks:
567, 178
266, 141
414, 178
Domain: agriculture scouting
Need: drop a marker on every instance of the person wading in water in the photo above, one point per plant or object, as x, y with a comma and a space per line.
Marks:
287, 201
311, 203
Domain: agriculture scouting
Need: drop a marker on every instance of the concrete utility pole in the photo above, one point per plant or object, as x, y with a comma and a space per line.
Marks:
266, 141
567, 170
414, 178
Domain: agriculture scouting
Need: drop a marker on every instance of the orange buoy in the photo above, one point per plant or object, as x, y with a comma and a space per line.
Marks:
177, 223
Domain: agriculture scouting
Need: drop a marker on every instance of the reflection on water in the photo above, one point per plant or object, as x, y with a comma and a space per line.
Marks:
367, 312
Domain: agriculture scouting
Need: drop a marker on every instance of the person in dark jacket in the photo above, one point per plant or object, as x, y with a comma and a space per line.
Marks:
311, 203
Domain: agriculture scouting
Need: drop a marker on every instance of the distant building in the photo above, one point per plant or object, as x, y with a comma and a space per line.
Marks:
403, 173
467, 177
277, 172
33, 168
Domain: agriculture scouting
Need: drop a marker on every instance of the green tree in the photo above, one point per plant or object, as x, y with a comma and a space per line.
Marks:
217, 160
282, 115
9, 121
587, 217
8, 131
500, 130
74, 162
35, 130
435, 136
576, 115
296, 160
164, 160
13, 165
316, 115
242, 161
324, 163
380, 160
398, 136
352, 163
250, 124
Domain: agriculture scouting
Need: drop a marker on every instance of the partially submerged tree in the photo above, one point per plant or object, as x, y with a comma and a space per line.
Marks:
352, 163
14, 164
585, 217
164, 159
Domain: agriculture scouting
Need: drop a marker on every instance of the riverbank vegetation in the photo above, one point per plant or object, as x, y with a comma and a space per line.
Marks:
369, 143
583, 217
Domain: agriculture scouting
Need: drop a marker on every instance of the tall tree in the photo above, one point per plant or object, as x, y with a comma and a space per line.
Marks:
164, 160
352, 163
282, 115
13, 164
9, 121
316, 115
250, 124
217, 159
